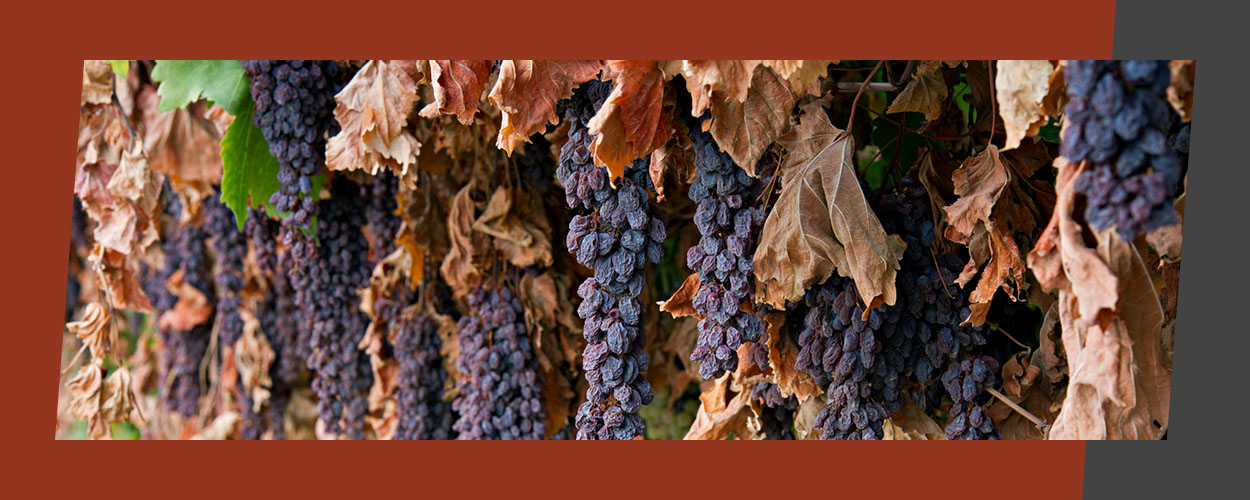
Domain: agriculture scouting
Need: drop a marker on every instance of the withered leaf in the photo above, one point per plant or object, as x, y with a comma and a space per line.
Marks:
1181, 89
97, 82
979, 183
721, 411
372, 112
911, 423
459, 268
802, 75
729, 78
527, 91
676, 155
458, 86
181, 142
518, 223
782, 356
681, 304
631, 124
822, 222
119, 276
191, 309
745, 128
1021, 86
96, 329
805, 417
252, 357
923, 94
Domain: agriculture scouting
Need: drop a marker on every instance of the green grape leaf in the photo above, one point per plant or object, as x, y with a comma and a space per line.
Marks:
184, 82
248, 170
120, 67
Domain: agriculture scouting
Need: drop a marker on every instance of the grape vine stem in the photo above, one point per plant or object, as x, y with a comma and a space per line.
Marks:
1041, 424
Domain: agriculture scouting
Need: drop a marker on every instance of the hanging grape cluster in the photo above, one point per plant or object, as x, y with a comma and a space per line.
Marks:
615, 241
1119, 120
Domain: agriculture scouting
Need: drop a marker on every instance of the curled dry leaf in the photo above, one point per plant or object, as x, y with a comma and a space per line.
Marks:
519, 225
722, 411
119, 277
745, 128
802, 75
677, 156
925, 93
729, 78
252, 357
372, 112
681, 304
459, 268
782, 356
822, 222
1181, 89
1120, 374
805, 417
220, 428
1025, 385
183, 142
96, 329
97, 82
101, 402
527, 91
1022, 86
85, 390
458, 86
1167, 239
634, 121
191, 309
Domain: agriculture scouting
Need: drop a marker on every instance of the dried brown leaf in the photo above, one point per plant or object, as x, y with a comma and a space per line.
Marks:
1022, 86
192, 308
458, 86
911, 423
519, 225
923, 94
822, 222
96, 330
721, 411
729, 78
782, 356
119, 277
459, 268
97, 82
802, 75
527, 91
745, 128
681, 304
632, 123
182, 142
372, 112
1181, 89
1167, 239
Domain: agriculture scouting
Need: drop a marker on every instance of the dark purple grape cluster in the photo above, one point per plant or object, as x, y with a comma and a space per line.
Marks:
615, 241
295, 112
229, 251
500, 387
279, 317
840, 348
419, 395
326, 292
79, 245
1118, 119
723, 258
965, 382
383, 221
777, 419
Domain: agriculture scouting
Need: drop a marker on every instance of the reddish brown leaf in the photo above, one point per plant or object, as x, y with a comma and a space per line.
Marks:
745, 128
979, 183
458, 86
722, 411
182, 142
96, 330
192, 308
519, 227
822, 222
681, 303
97, 82
527, 91
632, 123
119, 277
782, 355
802, 75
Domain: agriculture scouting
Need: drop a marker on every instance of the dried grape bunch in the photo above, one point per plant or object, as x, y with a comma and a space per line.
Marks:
723, 258
326, 293
1118, 119
616, 240
295, 112
500, 388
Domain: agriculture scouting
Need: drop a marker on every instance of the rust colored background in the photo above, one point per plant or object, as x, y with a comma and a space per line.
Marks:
42, 80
